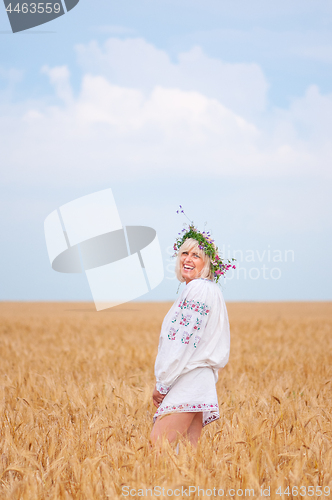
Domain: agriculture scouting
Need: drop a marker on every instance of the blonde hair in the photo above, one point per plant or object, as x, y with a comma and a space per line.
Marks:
192, 244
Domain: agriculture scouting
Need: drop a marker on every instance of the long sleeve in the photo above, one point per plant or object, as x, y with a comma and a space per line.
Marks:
182, 335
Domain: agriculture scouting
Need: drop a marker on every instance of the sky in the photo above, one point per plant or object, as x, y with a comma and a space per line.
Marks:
222, 107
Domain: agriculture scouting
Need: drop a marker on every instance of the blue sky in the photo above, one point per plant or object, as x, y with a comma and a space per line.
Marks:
222, 107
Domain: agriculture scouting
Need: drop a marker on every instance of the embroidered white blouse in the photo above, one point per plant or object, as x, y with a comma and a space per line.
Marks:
195, 333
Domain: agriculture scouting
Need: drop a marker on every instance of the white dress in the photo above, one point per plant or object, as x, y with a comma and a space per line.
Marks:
194, 344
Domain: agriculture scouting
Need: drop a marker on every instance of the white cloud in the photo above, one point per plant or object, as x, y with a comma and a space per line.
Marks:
279, 47
112, 29
109, 130
11, 76
318, 52
134, 63
59, 78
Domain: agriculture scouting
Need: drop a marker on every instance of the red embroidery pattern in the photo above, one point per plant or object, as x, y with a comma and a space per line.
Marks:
185, 319
163, 389
175, 316
196, 340
195, 305
198, 324
172, 333
213, 409
185, 338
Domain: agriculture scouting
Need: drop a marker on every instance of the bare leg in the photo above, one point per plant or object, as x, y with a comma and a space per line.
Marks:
174, 424
195, 429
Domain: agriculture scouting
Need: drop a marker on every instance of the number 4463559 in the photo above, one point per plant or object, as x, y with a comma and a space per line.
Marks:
34, 8
304, 491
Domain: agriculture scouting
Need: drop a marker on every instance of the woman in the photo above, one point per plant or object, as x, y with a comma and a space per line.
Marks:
194, 343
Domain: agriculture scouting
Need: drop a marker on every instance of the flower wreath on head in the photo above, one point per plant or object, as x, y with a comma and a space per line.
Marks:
219, 266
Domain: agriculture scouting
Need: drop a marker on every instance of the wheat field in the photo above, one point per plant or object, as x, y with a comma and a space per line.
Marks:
76, 407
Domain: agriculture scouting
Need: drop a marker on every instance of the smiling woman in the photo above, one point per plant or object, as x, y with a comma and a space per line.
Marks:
192, 262
194, 344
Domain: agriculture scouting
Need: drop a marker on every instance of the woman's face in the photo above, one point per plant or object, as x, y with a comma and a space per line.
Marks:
191, 264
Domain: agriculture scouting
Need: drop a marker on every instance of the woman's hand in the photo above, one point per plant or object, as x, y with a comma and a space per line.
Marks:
157, 397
